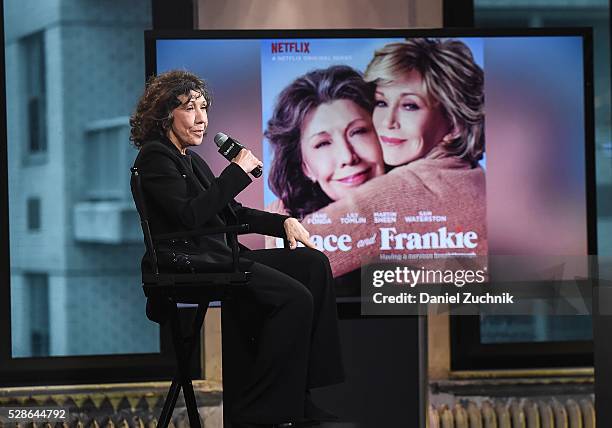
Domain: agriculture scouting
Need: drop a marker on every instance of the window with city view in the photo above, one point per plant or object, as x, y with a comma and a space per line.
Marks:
74, 71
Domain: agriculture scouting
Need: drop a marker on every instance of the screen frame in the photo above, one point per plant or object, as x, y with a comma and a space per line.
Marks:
467, 350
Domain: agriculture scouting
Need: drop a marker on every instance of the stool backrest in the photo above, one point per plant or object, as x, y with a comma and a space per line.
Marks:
136, 187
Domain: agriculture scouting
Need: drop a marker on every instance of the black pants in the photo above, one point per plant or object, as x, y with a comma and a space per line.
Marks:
291, 299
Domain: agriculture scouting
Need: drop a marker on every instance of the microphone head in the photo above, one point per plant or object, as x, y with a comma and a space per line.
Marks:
220, 138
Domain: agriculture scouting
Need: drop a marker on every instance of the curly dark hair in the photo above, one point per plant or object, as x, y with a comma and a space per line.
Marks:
153, 115
299, 195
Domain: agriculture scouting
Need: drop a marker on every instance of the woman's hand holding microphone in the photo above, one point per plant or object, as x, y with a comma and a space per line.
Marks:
247, 160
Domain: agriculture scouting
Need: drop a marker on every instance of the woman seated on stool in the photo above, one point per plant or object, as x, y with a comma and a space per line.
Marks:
292, 289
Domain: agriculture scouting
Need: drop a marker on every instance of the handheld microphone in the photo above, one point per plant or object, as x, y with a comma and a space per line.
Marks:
229, 149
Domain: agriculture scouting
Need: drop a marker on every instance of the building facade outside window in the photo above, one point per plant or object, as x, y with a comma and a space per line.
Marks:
74, 71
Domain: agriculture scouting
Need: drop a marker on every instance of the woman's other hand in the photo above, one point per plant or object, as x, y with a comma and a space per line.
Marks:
296, 232
247, 160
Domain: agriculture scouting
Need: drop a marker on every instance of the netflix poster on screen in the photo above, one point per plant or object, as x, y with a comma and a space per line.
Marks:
377, 146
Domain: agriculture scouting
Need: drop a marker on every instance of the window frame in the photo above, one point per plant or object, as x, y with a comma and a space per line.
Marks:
33, 211
38, 283
64, 370
135, 367
36, 108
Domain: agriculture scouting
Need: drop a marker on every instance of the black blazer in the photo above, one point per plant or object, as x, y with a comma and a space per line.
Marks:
178, 199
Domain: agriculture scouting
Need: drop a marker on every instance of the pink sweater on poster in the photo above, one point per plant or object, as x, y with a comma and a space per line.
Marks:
443, 198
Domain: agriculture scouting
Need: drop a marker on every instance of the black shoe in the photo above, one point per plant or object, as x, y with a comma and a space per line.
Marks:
297, 424
314, 412
250, 425
294, 424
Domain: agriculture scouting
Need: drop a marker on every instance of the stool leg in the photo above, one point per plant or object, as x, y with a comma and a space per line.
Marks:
183, 351
190, 403
175, 388
166, 414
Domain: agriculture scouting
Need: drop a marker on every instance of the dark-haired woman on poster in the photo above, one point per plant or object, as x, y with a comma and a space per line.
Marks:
325, 146
323, 140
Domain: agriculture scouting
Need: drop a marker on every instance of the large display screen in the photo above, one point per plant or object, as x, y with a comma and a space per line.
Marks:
403, 145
